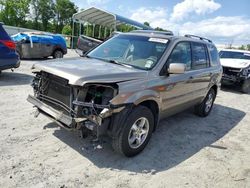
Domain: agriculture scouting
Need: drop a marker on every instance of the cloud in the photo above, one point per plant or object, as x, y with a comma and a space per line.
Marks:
221, 29
97, 2
200, 7
155, 16
89, 3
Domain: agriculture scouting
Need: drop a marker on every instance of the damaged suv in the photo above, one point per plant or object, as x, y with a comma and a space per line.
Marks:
123, 87
236, 68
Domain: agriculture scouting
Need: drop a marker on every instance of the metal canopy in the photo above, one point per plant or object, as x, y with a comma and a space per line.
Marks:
97, 16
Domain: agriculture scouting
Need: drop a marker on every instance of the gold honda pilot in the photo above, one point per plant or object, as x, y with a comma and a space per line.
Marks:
123, 87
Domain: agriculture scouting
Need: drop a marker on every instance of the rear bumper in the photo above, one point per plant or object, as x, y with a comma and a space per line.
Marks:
62, 119
9, 64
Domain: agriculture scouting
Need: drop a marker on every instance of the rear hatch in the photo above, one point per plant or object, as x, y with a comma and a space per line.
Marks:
8, 55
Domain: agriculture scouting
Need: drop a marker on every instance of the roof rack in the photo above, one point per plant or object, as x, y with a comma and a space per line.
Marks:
201, 38
153, 32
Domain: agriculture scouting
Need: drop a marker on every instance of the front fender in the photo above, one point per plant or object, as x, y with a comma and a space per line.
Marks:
136, 97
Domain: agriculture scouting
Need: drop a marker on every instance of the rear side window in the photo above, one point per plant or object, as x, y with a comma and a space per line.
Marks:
214, 55
200, 59
3, 34
181, 54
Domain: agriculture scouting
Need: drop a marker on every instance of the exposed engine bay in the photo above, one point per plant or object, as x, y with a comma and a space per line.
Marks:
87, 106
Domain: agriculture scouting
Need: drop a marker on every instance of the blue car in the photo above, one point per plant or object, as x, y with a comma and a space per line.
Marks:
40, 45
8, 56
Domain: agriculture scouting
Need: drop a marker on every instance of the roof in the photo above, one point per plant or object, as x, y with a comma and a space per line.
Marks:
234, 50
104, 18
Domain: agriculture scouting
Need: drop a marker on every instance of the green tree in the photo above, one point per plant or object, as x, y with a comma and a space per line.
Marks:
35, 12
242, 47
146, 23
67, 30
14, 12
46, 9
248, 47
64, 10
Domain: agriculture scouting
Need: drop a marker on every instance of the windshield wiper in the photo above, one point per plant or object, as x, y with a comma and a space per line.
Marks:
118, 63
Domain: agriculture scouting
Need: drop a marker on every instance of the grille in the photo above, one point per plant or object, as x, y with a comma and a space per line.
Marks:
55, 92
231, 71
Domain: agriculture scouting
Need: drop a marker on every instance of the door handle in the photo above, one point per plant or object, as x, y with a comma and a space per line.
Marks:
191, 77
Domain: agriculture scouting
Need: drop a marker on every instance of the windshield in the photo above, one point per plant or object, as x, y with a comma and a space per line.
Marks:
234, 55
135, 51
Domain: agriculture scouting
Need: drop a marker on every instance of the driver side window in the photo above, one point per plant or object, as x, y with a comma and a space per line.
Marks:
181, 54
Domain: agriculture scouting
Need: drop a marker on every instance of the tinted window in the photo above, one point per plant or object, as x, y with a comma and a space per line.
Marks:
200, 60
234, 55
214, 55
181, 54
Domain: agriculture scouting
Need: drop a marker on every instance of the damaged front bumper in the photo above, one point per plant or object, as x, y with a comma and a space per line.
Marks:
72, 121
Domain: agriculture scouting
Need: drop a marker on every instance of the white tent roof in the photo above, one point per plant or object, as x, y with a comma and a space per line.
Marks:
97, 16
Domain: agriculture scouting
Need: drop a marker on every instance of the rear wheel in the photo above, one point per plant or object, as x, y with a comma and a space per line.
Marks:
246, 86
136, 132
57, 54
204, 108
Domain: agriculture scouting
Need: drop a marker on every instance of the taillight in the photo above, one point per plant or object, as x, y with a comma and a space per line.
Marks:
9, 43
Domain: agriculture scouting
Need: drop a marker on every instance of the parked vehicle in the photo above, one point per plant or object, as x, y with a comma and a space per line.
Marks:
123, 87
8, 57
236, 68
40, 45
85, 44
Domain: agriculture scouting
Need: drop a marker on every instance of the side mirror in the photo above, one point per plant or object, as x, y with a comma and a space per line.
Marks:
176, 68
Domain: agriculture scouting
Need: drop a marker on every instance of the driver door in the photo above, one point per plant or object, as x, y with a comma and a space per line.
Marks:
179, 89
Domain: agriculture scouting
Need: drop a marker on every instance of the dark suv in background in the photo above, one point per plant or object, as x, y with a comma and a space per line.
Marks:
8, 57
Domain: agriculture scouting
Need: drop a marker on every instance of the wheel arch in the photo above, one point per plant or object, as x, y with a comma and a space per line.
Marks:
154, 107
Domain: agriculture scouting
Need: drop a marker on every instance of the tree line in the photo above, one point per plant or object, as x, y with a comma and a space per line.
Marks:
45, 15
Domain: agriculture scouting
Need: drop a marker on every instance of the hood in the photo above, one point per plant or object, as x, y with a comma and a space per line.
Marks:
235, 63
79, 71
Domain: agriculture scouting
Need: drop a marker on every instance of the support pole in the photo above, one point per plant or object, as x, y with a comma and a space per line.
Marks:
72, 41
100, 29
93, 33
80, 31
105, 32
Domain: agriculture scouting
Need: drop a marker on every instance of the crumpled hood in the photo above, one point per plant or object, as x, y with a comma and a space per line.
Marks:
235, 63
80, 71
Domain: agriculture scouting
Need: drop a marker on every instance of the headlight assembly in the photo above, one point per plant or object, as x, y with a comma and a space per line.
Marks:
246, 71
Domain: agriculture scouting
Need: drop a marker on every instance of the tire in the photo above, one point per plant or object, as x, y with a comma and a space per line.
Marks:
246, 86
205, 107
131, 130
57, 54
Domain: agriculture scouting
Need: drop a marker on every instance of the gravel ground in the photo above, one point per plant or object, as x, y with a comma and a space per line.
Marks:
185, 151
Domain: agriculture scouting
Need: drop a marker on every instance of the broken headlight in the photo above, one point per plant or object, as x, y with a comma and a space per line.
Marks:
246, 71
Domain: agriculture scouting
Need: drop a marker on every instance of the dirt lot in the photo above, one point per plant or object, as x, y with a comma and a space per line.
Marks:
185, 151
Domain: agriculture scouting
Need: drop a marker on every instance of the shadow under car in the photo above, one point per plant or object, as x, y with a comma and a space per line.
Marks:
176, 139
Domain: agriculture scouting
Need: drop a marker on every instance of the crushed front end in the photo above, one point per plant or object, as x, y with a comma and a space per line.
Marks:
235, 75
74, 107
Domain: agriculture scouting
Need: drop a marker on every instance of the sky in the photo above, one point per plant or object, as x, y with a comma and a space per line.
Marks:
223, 21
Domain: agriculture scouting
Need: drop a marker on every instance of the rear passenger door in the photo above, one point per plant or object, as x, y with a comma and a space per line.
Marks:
200, 68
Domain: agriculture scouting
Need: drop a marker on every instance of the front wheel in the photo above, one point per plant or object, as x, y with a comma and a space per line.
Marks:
205, 107
246, 86
57, 54
136, 132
